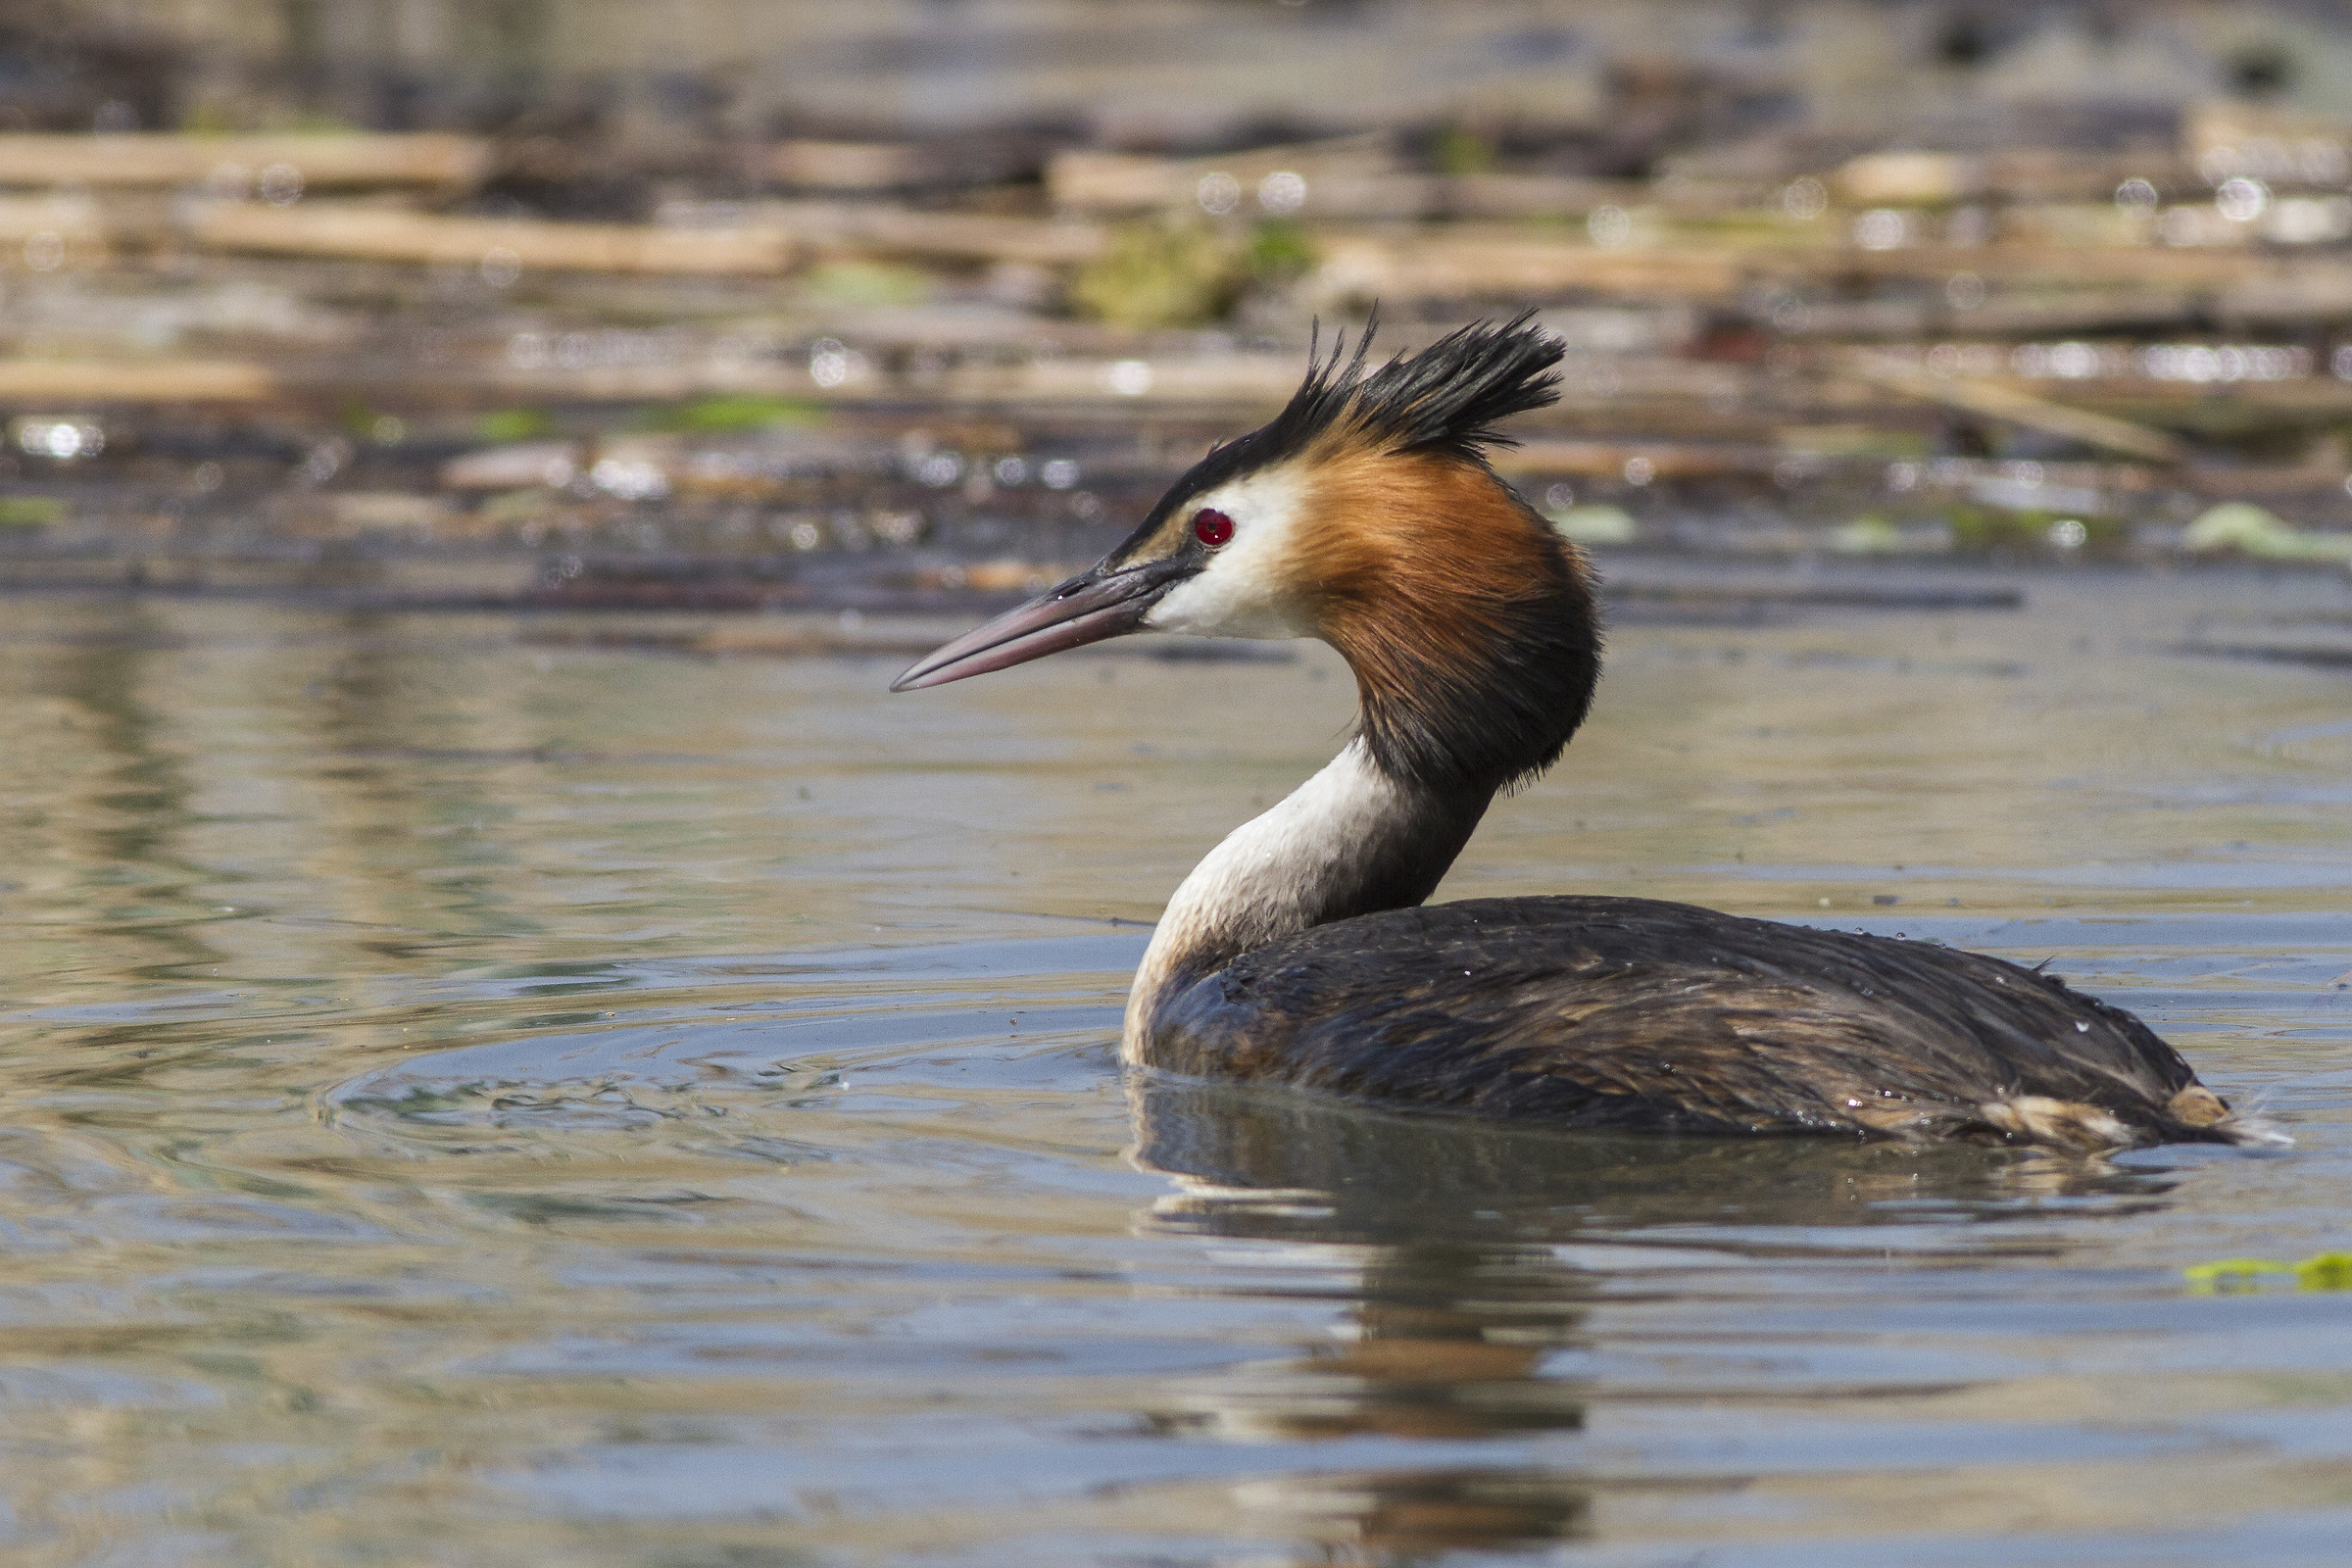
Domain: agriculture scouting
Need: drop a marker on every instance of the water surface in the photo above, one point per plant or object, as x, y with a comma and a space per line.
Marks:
474, 1102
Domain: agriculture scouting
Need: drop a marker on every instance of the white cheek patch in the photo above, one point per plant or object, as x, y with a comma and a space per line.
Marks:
1243, 591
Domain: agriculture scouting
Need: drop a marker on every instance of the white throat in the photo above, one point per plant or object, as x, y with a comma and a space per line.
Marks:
1348, 841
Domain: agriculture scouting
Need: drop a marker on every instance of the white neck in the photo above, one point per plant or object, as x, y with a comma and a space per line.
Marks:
1349, 841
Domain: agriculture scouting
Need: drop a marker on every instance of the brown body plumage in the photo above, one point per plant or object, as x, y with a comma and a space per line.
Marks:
1366, 515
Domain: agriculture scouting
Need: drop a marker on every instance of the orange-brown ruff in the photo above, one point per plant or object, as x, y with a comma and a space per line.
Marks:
1428, 575
1297, 951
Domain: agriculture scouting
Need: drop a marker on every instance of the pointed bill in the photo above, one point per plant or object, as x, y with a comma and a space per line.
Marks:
1091, 606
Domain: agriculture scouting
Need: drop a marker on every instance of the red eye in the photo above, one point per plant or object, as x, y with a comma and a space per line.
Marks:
1212, 527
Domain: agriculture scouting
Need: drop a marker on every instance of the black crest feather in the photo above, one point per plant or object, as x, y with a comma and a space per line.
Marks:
1448, 398
1451, 396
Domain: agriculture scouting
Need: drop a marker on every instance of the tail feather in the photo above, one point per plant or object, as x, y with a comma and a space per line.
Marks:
2060, 1123
2200, 1108
2194, 1114
2252, 1126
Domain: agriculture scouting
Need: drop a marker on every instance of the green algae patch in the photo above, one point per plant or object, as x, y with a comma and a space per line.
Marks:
2330, 1271
2327, 1271
2246, 529
1158, 273
29, 512
733, 414
503, 425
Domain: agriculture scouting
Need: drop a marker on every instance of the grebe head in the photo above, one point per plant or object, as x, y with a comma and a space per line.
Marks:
1364, 514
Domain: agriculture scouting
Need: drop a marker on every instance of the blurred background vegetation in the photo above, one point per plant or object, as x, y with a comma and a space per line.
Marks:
698, 302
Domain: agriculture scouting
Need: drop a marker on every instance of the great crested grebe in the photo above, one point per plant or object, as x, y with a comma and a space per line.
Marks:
1297, 952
